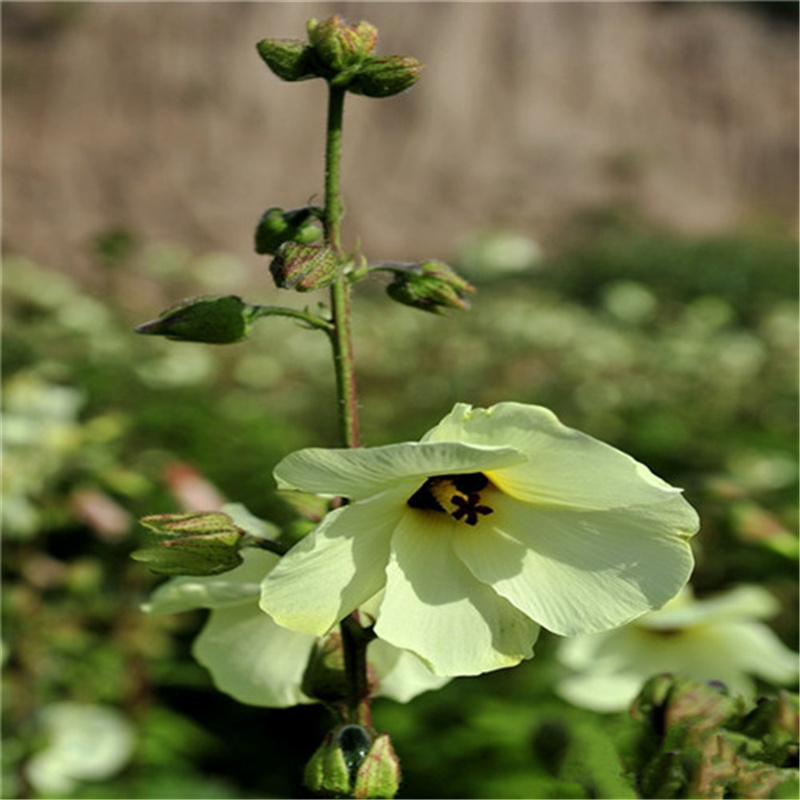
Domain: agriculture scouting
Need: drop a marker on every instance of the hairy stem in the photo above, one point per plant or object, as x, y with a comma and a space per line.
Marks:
354, 638
341, 338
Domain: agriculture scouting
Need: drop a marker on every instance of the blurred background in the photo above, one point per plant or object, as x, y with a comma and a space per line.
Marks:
618, 180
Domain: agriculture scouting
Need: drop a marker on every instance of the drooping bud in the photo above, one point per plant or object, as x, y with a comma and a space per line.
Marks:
213, 319
198, 543
289, 59
303, 267
341, 47
429, 286
385, 76
354, 762
277, 226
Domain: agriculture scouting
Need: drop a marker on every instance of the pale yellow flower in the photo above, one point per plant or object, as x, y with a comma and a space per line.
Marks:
258, 662
500, 520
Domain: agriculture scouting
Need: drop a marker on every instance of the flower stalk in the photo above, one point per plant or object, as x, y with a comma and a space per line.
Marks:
354, 638
341, 338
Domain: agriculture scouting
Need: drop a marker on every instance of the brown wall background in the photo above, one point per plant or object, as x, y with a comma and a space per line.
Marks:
161, 118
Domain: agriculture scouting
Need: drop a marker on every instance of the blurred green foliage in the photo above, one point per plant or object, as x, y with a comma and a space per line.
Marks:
682, 352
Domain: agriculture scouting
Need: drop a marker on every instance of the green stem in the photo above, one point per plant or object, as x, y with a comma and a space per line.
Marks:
304, 316
341, 338
354, 638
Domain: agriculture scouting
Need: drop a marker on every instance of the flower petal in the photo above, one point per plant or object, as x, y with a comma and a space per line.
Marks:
402, 676
739, 603
360, 473
435, 608
564, 467
334, 569
580, 572
605, 693
253, 659
238, 585
762, 653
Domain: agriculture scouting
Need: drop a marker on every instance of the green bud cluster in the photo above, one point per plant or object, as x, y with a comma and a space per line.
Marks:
699, 742
342, 54
353, 761
198, 543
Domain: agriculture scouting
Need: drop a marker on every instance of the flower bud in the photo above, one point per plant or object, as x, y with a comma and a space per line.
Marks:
386, 76
213, 319
429, 286
277, 226
199, 543
353, 762
303, 267
340, 46
289, 59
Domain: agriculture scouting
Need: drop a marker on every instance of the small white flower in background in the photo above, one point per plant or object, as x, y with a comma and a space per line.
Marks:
84, 743
500, 520
258, 662
712, 639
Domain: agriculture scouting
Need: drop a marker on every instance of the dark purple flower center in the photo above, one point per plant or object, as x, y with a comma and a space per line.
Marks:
456, 495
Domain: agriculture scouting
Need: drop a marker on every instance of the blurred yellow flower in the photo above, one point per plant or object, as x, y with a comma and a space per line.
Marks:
712, 639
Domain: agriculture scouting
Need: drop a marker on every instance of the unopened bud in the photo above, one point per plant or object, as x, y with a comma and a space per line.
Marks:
385, 76
429, 286
198, 543
213, 319
277, 226
303, 267
340, 46
289, 59
354, 762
